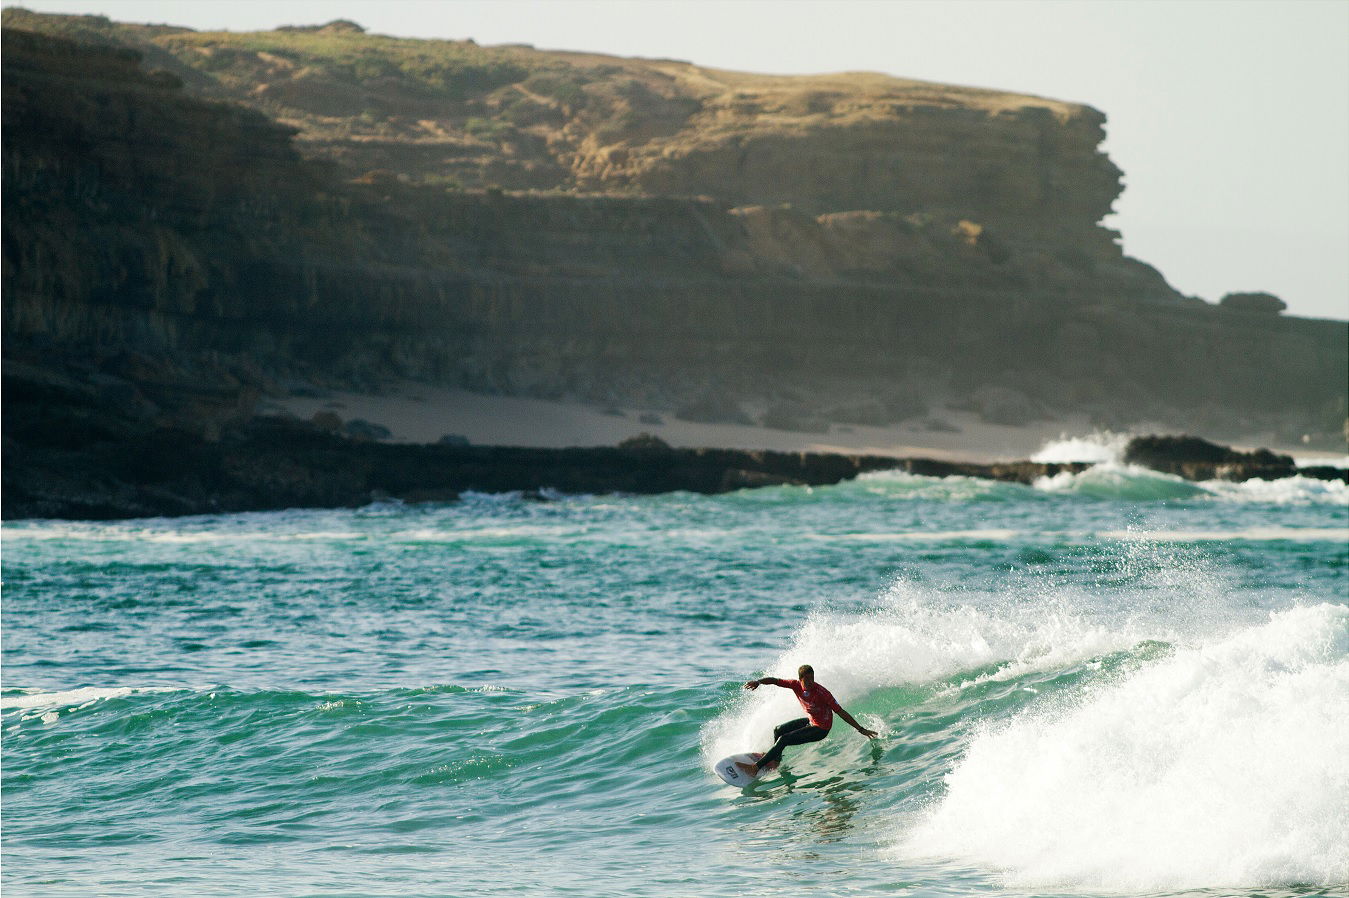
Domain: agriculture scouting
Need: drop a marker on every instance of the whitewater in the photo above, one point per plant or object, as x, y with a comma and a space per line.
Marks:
1114, 682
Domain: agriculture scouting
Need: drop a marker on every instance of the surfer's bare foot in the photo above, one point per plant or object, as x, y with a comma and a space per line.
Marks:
751, 769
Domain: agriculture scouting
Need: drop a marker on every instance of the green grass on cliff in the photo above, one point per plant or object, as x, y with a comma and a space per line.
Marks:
443, 69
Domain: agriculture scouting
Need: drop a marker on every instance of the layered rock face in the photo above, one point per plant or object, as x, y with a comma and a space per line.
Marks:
168, 257
1031, 165
515, 117
124, 196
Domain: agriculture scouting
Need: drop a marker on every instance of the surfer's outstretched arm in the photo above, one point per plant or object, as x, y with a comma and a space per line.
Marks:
766, 681
870, 734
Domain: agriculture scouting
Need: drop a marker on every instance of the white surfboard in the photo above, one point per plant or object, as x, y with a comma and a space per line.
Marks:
733, 775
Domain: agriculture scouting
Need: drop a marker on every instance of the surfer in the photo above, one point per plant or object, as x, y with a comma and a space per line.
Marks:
820, 706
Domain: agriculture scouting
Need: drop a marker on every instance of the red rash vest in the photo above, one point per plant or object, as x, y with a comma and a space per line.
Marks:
819, 702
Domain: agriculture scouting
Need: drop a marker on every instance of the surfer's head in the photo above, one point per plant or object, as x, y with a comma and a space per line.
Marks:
806, 674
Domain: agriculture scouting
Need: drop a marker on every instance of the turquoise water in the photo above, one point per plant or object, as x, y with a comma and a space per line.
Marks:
1113, 682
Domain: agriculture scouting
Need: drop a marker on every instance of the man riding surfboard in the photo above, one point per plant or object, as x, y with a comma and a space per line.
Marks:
820, 706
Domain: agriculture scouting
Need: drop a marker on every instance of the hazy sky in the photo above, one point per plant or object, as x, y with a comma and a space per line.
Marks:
1230, 118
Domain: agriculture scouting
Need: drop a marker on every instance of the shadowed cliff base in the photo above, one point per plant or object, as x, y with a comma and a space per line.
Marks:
277, 463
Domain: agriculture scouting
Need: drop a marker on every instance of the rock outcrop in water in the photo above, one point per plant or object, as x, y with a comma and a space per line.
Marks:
817, 244
276, 463
1197, 459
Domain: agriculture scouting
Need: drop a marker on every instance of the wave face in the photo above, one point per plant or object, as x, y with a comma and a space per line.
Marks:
1095, 686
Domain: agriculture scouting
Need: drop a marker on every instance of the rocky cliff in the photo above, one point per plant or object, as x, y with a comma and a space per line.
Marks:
661, 125
194, 220
513, 117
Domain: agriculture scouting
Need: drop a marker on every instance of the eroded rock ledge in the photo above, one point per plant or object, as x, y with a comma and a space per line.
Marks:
275, 463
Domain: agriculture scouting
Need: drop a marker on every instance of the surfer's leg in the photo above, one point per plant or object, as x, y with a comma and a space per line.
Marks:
779, 731
796, 736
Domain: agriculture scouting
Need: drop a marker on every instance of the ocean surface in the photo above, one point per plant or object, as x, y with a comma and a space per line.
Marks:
1111, 683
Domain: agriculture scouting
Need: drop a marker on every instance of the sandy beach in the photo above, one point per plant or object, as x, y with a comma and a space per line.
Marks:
415, 413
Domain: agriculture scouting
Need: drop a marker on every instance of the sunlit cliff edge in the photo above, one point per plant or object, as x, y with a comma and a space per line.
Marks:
194, 220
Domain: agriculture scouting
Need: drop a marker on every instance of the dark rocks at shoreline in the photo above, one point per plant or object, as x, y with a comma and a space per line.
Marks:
82, 447
1197, 459
275, 463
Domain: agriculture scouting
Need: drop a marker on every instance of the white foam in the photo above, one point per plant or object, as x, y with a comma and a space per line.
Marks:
918, 636
1287, 491
81, 697
1113, 480
920, 536
326, 535
1329, 461
24, 530
471, 534
1098, 447
1255, 534
1223, 765
896, 484
186, 537
84, 532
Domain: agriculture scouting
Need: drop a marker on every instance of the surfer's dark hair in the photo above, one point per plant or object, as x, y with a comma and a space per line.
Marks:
804, 669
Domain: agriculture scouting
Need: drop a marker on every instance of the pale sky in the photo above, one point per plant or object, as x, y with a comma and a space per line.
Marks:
1230, 118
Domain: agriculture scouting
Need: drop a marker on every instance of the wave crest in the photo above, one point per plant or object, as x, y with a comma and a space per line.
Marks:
1221, 764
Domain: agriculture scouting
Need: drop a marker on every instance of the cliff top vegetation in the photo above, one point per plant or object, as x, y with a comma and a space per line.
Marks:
456, 113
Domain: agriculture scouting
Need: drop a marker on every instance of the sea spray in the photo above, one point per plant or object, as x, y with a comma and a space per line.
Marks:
918, 635
1099, 447
1287, 491
900, 485
1109, 477
1221, 765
